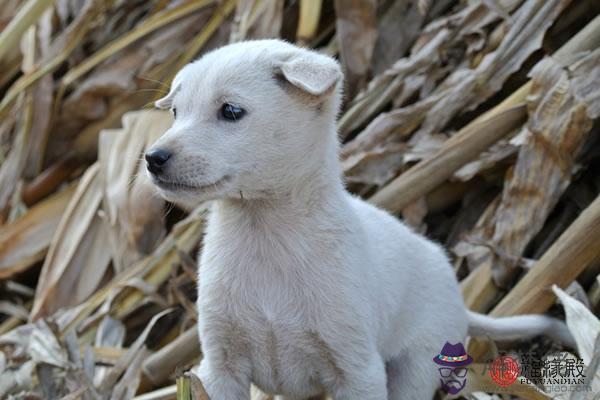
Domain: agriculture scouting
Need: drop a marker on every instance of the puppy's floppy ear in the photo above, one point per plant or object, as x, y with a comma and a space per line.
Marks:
166, 102
311, 72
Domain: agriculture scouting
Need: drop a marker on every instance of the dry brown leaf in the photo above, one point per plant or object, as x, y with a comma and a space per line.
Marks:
94, 61
25, 241
397, 28
127, 80
592, 373
128, 385
499, 152
14, 310
465, 88
428, 62
11, 169
480, 380
558, 128
267, 20
357, 33
394, 82
378, 142
59, 50
15, 380
461, 148
70, 274
403, 80
133, 354
134, 211
110, 333
374, 167
584, 326
308, 20
42, 92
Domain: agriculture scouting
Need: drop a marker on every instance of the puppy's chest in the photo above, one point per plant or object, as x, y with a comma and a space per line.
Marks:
271, 316
283, 356
267, 266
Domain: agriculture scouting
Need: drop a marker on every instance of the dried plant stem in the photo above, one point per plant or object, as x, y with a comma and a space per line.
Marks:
575, 250
184, 390
29, 13
151, 25
463, 147
9, 324
153, 269
310, 13
166, 393
160, 365
479, 290
189, 387
75, 36
222, 12
477, 136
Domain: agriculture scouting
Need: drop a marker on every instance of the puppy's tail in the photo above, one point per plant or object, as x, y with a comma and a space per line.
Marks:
519, 327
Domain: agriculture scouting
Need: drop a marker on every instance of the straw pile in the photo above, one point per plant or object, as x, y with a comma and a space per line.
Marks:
475, 121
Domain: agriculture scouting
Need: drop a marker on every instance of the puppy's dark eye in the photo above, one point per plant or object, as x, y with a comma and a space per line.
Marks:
174, 110
231, 112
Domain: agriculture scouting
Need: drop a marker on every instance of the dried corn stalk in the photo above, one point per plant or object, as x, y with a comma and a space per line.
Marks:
115, 297
464, 89
560, 118
132, 207
25, 240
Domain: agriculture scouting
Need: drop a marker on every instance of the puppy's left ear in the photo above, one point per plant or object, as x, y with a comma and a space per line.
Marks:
311, 72
166, 102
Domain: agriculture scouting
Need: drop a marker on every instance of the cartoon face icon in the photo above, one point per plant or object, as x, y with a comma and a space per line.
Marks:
453, 380
453, 360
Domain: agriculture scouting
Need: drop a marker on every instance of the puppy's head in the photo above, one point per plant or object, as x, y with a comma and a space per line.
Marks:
250, 119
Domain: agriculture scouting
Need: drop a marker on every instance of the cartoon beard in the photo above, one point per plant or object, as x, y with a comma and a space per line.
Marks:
452, 386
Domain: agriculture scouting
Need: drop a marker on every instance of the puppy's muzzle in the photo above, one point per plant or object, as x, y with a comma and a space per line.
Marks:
156, 160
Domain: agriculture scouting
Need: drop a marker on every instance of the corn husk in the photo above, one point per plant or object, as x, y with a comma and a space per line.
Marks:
476, 122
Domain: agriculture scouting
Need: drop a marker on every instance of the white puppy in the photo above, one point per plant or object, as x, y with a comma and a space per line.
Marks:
303, 288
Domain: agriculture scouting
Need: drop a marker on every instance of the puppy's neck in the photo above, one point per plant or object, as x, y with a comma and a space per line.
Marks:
309, 196
315, 187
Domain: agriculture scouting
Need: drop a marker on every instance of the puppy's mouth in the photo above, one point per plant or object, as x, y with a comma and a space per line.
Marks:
176, 186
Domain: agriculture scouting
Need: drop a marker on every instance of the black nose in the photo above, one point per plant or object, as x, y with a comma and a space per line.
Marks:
156, 160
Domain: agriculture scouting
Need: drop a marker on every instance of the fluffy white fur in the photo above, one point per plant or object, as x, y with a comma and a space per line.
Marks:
303, 288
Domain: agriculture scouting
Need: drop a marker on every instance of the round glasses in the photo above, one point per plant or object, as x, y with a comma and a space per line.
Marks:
459, 372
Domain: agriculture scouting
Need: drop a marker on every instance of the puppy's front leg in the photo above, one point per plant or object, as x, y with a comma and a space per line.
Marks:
224, 382
367, 383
